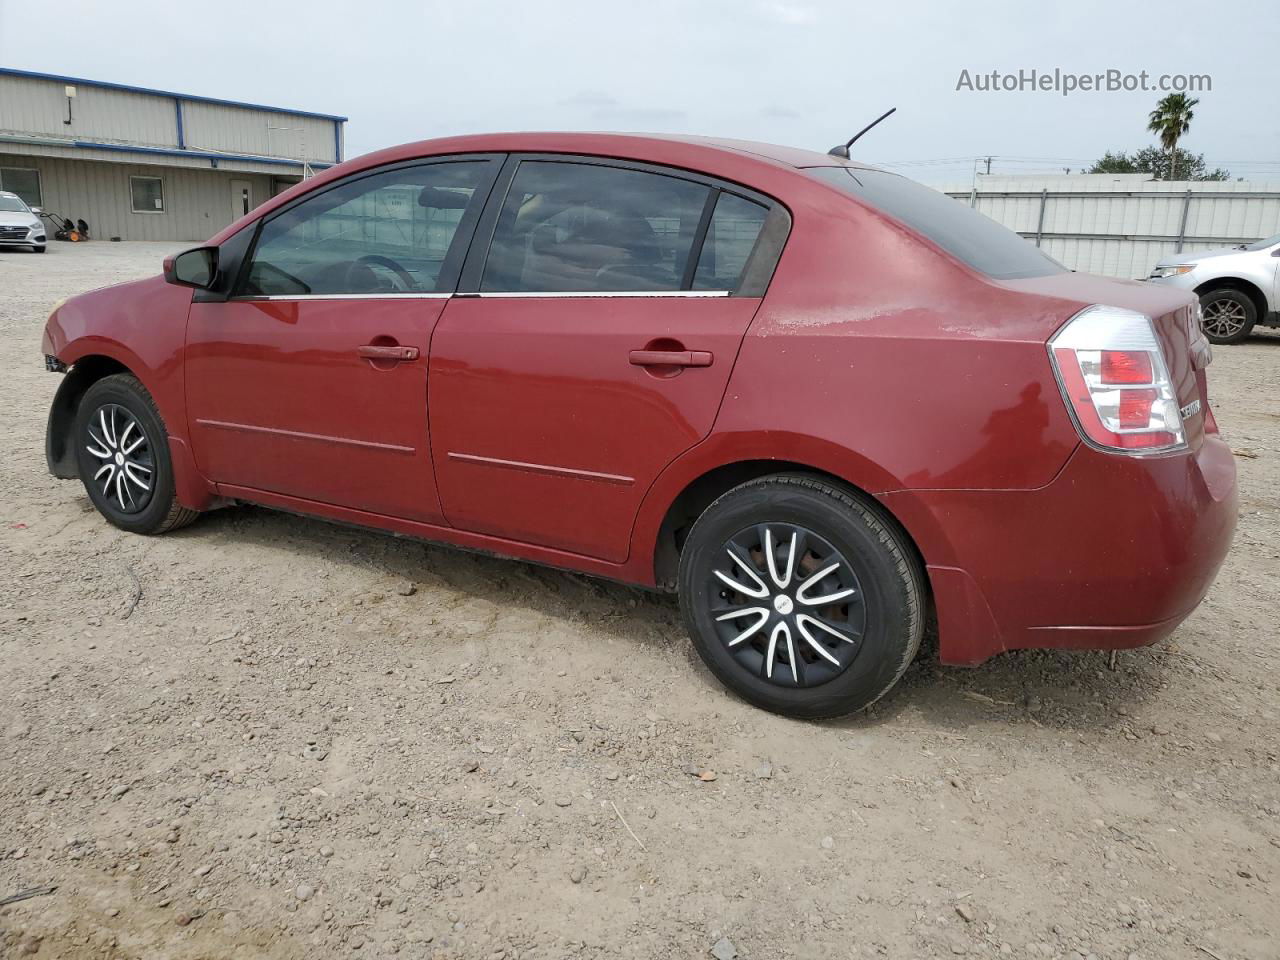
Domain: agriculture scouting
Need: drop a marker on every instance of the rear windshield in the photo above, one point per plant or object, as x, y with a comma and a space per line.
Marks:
954, 226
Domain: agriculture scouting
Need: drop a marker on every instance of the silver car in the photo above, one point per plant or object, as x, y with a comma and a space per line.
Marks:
20, 225
1238, 286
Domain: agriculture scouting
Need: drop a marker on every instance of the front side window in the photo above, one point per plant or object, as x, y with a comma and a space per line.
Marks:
147, 194
957, 228
735, 226
382, 234
23, 181
1262, 244
585, 228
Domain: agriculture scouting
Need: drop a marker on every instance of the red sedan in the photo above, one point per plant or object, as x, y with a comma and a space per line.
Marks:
816, 399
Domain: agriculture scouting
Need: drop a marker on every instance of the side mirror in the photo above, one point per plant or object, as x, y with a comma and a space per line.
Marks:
38, 211
192, 268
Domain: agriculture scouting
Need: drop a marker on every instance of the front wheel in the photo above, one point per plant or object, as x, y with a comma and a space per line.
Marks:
122, 451
801, 598
1229, 315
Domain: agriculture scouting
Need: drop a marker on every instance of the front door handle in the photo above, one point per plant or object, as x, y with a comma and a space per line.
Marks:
378, 351
671, 358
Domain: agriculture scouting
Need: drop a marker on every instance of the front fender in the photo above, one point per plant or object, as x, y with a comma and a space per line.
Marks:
137, 328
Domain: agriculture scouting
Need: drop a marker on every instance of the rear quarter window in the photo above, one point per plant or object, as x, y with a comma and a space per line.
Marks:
958, 229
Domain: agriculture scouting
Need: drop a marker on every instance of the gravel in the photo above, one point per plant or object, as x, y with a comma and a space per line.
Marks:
263, 640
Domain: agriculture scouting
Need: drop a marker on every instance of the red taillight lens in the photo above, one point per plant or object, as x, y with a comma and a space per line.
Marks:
1135, 408
1126, 366
1115, 381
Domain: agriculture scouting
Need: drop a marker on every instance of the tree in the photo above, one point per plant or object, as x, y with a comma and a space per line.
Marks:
1170, 120
1159, 164
1118, 162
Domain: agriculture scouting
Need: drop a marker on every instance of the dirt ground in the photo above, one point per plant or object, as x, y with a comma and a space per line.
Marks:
311, 741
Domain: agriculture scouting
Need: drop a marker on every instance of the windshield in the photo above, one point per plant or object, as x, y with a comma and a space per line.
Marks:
1262, 244
954, 226
12, 205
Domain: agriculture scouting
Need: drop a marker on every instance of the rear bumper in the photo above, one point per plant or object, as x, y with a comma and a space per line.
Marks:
1114, 553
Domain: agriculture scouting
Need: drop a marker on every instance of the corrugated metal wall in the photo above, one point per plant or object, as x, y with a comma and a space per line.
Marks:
1123, 225
212, 126
198, 203
38, 107
114, 133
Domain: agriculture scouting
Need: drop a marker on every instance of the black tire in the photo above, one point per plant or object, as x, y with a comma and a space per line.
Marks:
102, 424
39, 249
884, 610
1229, 315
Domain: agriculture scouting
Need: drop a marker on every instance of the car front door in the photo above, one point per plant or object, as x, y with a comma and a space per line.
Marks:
309, 381
590, 347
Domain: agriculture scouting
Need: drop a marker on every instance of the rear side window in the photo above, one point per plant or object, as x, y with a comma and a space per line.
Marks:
955, 227
735, 227
585, 228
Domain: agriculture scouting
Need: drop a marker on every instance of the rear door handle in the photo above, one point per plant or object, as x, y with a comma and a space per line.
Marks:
671, 358
378, 351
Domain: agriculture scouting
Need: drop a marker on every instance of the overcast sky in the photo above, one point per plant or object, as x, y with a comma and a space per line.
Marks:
801, 72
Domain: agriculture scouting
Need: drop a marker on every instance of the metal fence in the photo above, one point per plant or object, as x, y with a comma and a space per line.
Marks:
1121, 225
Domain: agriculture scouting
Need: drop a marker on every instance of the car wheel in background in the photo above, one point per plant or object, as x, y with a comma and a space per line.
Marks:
122, 451
1229, 315
801, 598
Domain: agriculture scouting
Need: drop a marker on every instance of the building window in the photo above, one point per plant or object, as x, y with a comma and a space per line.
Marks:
147, 193
22, 181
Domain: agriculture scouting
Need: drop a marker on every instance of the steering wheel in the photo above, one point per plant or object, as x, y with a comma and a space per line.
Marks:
374, 259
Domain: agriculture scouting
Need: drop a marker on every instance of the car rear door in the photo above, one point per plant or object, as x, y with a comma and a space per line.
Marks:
309, 381
590, 344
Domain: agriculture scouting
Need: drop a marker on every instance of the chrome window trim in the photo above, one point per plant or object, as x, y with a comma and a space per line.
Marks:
521, 295
346, 296
533, 294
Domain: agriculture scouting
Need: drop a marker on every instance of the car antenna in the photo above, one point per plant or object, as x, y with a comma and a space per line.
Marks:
842, 150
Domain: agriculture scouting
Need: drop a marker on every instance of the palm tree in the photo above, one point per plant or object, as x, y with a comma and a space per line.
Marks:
1170, 120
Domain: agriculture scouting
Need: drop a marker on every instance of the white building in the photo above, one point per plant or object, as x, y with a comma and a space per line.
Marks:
1120, 225
143, 164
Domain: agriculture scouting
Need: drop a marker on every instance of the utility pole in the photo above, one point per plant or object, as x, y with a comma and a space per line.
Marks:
989, 159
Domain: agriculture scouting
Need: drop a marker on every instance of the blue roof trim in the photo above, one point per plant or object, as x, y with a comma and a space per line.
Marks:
80, 81
198, 154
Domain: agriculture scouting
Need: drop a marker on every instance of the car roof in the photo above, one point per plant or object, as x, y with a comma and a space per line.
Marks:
760, 166
791, 156
629, 145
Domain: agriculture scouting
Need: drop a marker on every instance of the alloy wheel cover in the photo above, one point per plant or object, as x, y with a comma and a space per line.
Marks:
125, 464
1223, 318
786, 604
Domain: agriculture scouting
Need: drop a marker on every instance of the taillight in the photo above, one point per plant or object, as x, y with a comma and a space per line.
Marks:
1115, 381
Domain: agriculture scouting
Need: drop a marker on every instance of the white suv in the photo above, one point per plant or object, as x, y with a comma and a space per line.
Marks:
1238, 286
20, 225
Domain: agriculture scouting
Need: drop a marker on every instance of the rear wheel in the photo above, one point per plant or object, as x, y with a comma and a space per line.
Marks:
122, 451
801, 598
1229, 315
